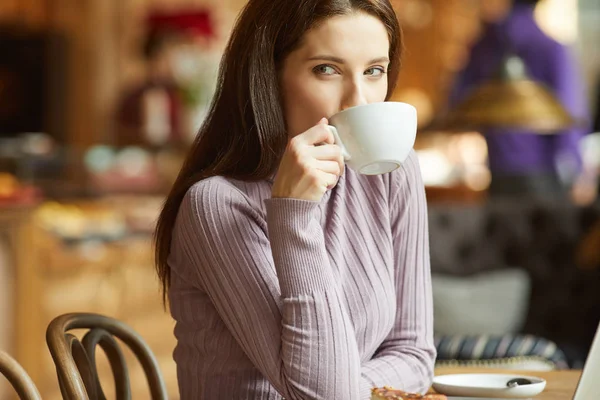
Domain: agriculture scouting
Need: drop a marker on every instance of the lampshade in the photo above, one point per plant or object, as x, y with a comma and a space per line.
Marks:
510, 100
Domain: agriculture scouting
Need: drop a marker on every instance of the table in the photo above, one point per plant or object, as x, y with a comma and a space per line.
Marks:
560, 385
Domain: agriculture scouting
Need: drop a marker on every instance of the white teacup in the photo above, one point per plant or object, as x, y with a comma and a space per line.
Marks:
375, 138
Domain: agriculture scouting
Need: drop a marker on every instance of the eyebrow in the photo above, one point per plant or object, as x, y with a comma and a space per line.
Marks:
342, 61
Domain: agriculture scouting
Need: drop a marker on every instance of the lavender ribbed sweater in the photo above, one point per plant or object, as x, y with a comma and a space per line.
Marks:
303, 300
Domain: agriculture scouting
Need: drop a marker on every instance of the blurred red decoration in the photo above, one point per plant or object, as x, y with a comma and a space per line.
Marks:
194, 22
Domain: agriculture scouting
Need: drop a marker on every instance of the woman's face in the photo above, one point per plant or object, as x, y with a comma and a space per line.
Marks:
341, 63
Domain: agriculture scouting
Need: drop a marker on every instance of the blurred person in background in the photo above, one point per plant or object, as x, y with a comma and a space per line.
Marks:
596, 130
597, 112
523, 162
149, 112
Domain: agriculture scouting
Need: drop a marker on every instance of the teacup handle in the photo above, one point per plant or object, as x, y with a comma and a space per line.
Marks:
338, 141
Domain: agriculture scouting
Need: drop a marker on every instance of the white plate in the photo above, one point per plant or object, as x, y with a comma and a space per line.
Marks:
487, 385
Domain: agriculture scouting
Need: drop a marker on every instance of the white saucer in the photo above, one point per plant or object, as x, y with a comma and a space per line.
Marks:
487, 385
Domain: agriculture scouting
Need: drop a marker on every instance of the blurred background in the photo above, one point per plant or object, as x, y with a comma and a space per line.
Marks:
99, 100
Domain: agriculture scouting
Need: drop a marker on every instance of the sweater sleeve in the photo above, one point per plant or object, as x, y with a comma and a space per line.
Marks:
406, 358
275, 292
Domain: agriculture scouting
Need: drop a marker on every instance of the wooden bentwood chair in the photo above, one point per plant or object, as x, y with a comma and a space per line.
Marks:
76, 361
18, 378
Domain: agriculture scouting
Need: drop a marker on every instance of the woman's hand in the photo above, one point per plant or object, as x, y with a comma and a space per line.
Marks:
311, 165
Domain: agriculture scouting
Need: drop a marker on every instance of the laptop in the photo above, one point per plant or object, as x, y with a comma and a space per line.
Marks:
588, 387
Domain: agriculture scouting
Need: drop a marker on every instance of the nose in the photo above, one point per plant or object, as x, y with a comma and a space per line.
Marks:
353, 95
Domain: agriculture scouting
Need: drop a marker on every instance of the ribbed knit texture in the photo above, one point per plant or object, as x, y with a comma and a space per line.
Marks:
303, 300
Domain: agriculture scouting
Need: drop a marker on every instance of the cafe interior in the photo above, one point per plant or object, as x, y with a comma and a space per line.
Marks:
100, 100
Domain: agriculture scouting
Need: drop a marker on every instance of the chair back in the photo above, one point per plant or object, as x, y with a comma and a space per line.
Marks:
18, 378
75, 360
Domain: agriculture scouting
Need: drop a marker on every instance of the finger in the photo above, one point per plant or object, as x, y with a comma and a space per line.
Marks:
330, 167
326, 179
326, 152
330, 152
318, 134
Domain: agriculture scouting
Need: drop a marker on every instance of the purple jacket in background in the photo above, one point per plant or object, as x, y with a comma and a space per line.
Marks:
519, 152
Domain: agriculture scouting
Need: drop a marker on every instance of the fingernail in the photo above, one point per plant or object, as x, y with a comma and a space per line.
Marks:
323, 120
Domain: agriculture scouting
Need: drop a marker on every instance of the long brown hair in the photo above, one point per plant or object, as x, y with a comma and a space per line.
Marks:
244, 134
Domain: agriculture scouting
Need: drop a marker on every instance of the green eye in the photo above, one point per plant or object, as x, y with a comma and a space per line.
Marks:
324, 69
375, 71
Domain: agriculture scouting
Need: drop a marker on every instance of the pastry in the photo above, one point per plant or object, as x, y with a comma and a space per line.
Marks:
386, 393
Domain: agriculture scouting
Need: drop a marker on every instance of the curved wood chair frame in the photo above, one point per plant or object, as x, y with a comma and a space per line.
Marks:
76, 360
18, 378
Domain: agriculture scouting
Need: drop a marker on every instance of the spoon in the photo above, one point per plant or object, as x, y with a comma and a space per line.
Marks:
518, 382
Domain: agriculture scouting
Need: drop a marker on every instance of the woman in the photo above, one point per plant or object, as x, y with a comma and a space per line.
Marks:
289, 275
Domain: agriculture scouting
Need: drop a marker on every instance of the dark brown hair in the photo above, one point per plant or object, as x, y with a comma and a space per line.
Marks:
244, 135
